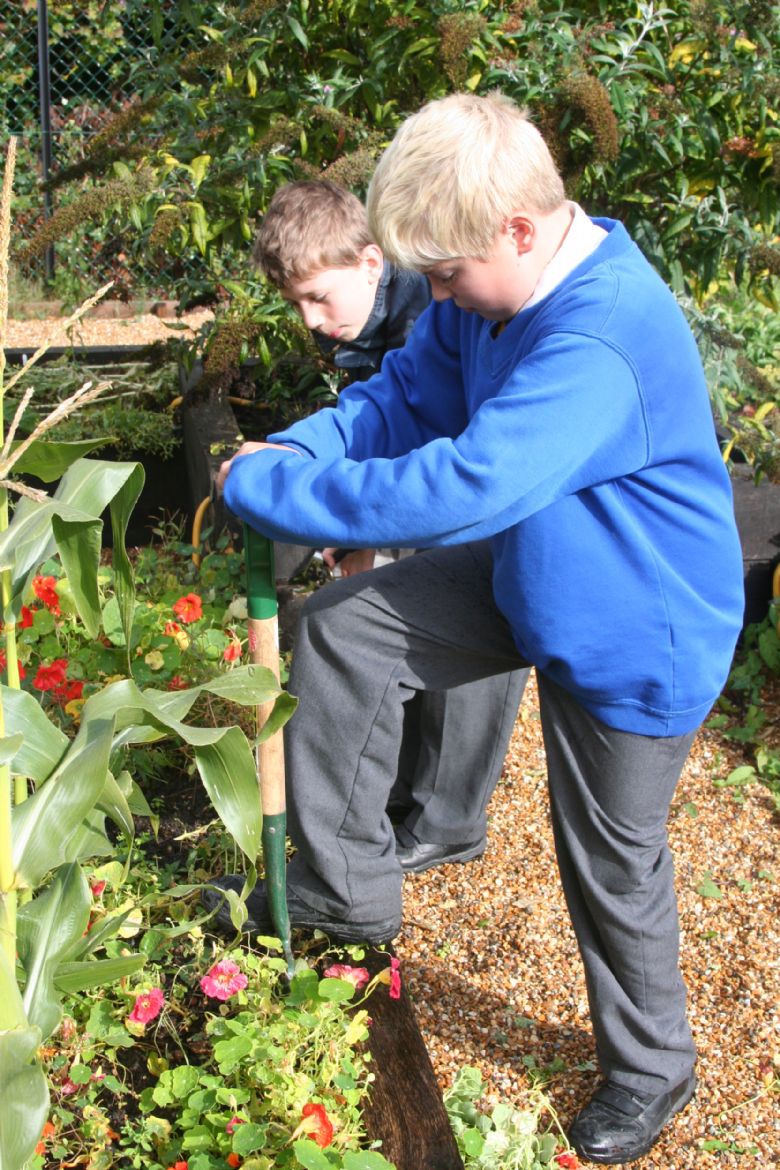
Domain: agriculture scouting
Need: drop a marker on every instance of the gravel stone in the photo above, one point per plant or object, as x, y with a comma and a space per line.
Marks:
492, 966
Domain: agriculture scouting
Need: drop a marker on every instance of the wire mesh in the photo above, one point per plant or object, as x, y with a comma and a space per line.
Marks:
99, 52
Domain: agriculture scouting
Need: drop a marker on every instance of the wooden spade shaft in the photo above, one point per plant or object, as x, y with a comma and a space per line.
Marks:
263, 636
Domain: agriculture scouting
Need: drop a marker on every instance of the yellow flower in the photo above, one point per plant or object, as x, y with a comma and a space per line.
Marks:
154, 660
73, 708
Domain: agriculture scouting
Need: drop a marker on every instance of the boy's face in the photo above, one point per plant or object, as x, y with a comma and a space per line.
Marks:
496, 287
338, 301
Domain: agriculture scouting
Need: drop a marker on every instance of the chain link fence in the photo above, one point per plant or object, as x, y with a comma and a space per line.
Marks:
89, 58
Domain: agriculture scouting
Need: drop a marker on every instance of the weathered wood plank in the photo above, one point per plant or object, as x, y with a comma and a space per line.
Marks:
406, 1111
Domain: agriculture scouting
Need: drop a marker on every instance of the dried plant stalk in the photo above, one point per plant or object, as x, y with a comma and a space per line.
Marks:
16, 420
46, 343
86, 393
22, 489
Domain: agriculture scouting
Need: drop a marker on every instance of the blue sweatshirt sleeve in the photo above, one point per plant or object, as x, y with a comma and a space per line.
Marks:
436, 450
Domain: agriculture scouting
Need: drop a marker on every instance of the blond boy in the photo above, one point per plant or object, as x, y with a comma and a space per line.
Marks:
546, 434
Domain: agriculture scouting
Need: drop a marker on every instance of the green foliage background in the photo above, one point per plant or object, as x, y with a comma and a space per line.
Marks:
667, 117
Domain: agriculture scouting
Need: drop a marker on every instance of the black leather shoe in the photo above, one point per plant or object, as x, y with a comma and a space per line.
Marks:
302, 917
416, 856
619, 1125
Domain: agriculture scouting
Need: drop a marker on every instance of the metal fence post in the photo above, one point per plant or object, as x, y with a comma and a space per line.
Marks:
44, 92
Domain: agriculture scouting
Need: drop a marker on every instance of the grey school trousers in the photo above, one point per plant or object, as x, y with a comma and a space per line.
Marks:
364, 646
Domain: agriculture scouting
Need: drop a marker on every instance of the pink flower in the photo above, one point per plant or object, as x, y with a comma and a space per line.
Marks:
395, 978
223, 980
97, 889
357, 976
68, 1088
147, 1006
234, 1123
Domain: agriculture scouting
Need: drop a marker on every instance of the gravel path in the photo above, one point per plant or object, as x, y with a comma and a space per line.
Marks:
135, 329
492, 965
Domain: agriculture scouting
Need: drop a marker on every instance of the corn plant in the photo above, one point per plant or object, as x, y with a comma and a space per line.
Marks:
56, 793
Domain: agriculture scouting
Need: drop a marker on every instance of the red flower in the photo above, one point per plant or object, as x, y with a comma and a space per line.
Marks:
188, 608
97, 889
172, 628
68, 691
223, 980
233, 1160
178, 1166
177, 683
357, 976
49, 678
317, 1123
395, 978
45, 589
233, 651
567, 1161
147, 1006
26, 617
4, 665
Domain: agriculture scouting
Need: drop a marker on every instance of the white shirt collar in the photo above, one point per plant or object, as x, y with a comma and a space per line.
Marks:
582, 238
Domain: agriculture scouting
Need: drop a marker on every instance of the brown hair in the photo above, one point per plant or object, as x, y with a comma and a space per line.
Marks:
310, 225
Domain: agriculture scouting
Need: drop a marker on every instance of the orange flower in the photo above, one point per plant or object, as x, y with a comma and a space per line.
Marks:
233, 1160
188, 608
47, 1132
45, 588
567, 1161
317, 1123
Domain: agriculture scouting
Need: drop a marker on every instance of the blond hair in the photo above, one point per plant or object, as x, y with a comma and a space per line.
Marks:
310, 225
454, 172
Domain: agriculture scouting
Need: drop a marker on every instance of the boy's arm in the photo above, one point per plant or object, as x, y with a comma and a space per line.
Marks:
567, 416
393, 412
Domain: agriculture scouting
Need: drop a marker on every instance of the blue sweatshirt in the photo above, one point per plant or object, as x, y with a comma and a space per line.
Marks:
580, 440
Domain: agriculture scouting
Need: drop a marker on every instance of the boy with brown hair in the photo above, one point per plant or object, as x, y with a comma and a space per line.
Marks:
315, 246
546, 434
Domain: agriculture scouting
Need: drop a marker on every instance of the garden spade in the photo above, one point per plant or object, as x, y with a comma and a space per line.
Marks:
263, 636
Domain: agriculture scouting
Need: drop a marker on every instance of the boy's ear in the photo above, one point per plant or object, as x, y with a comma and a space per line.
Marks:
372, 260
522, 231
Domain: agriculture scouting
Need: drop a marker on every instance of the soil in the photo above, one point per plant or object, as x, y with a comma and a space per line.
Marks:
490, 960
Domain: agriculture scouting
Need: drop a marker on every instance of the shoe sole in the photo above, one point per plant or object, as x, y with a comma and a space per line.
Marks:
456, 858
375, 933
605, 1160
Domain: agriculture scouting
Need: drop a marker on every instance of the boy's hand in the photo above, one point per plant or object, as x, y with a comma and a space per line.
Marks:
246, 449
354, 562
